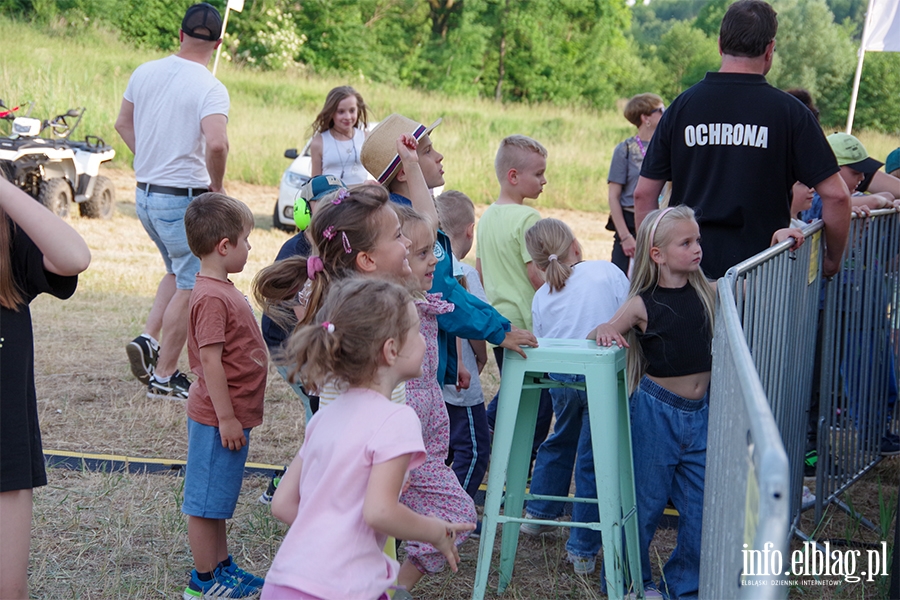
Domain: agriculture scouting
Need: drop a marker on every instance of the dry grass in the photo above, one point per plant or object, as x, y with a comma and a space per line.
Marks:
102, 535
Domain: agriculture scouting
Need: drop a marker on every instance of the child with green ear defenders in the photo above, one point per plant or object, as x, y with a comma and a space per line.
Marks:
314, 190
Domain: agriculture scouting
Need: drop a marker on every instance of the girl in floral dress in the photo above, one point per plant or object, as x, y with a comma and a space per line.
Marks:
434, 488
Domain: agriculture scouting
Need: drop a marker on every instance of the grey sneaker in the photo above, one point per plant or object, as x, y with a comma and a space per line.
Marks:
176, 388
143, 351
583, 565
535, 530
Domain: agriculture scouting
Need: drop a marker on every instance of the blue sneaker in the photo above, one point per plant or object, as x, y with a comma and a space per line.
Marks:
248, 579
222, 585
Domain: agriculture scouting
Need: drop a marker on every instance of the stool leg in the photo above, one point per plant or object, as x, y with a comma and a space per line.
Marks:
603, 403
501, 449
516, 479
626, 475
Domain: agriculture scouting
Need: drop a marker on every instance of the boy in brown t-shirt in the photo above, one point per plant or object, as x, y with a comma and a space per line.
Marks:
229, 358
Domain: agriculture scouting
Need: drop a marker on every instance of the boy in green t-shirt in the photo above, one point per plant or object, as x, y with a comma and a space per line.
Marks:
510, 278
509, 275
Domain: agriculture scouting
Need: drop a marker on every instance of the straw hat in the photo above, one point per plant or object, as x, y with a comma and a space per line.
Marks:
379, 152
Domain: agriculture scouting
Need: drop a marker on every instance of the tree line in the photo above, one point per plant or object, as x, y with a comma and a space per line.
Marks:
569, 52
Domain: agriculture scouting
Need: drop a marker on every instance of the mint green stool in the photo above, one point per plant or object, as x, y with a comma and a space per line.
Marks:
520, 387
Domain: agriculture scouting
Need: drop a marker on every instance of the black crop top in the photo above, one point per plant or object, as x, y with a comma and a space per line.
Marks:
677, 341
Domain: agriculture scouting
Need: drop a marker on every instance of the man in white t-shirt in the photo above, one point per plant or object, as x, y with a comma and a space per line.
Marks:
173, 118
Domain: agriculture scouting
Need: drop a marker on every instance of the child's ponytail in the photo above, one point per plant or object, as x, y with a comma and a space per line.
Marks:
342, 228
549, 242
343, 343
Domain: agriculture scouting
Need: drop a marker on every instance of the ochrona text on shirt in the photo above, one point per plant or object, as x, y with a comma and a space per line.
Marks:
726, 134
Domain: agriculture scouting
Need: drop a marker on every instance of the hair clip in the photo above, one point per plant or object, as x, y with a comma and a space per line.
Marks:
341, 195
552, 257
347, 248
329, 232
329, 327
314, 264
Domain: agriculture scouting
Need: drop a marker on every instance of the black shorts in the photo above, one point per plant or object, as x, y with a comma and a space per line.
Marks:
21, 453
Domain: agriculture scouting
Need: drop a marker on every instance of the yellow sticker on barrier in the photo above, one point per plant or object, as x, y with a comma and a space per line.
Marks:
814, 249
751, 506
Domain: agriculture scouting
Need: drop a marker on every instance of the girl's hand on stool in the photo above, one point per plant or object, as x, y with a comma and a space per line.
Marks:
446, 542
606, 335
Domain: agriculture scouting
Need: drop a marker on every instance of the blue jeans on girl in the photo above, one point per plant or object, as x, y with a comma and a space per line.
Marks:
668, 436
568, 446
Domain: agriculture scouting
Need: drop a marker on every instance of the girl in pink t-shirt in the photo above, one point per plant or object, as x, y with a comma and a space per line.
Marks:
340, 495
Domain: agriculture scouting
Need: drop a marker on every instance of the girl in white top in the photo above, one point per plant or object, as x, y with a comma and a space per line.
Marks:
338, 136
340, 495
575, 295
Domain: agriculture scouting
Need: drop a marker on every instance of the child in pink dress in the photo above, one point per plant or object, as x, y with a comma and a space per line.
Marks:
434, 488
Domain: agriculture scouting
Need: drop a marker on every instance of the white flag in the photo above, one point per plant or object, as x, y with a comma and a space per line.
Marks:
238, 5
884, 27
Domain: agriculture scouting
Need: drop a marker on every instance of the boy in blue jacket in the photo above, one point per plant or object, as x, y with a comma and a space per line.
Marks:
472, 319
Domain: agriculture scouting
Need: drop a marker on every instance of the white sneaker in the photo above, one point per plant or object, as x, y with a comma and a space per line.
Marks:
808, 499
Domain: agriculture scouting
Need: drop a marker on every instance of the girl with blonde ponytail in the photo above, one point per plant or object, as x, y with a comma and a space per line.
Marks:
577, 294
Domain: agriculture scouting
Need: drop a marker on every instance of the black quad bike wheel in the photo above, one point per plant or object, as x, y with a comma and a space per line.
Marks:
102, 204
56, 194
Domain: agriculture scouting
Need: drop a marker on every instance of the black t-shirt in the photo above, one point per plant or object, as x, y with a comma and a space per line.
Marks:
733, 146
677, 340
21, 462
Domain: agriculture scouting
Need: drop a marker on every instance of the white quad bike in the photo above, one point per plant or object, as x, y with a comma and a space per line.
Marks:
55, 170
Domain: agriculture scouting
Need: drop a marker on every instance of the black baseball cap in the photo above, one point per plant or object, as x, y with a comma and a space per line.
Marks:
203, 22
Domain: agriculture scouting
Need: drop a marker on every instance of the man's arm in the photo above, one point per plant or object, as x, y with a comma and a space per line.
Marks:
836, 215
214, 128
125, 124
646, 198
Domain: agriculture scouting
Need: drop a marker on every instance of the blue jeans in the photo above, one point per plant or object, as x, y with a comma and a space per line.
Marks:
162, 216
568, 446
668, 435
298, 389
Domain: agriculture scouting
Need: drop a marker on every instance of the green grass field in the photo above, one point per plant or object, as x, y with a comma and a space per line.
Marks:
62, 67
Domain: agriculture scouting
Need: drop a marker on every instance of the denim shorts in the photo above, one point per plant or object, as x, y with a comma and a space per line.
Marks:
162, 216
213, 476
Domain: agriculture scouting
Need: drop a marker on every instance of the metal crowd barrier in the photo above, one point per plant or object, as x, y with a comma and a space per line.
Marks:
777, 298
768, 312
745, 505
859, 368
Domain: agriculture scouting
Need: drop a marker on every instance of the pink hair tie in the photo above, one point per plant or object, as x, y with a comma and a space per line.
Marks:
329, 327
314, 264
341, 196
552, 257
